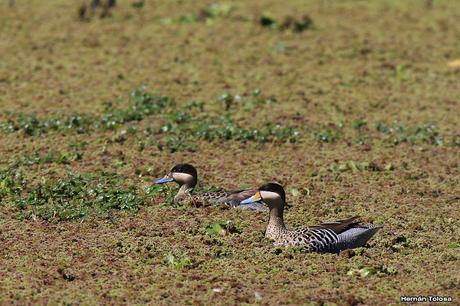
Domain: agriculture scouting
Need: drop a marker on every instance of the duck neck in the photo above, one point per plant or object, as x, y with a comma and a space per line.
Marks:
182, 193
276, 227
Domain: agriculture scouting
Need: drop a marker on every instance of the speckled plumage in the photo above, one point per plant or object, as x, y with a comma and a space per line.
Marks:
322, 238
327, 237
186, 176
227, 198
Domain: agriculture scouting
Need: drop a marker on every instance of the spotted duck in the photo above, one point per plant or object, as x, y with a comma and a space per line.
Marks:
186, 176
330, 237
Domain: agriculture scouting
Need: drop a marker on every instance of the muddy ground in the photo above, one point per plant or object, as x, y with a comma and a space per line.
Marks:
360, 110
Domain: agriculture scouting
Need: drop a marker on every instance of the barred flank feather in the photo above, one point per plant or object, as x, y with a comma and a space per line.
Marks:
321, 239
227, 198
332, 237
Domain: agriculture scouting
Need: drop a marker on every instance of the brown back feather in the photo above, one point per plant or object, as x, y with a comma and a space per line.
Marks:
339, 226
241, 195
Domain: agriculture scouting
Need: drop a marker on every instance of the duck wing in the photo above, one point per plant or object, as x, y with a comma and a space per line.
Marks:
339, 226
239, 195
333, 236
356, 236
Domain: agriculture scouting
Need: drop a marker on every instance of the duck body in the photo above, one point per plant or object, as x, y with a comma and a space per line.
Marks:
231, 198
328, 237
186, 176
331, 237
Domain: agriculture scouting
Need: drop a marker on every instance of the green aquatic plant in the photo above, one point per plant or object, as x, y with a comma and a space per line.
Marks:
179, 262
164, 191
215, 10
11, 183
178, 130
226, 129
181, 130
296, 25
172, 144
52, 157
247, 102
423, 133
327, 135
207, 14
32, 125
73, 197
359, 123
355, 166
222, 228
143, 104
267, 20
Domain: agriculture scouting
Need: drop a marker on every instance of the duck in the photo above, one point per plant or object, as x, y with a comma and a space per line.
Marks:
186, 176
331, 237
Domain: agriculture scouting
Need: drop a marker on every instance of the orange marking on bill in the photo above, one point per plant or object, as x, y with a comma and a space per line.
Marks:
256, 197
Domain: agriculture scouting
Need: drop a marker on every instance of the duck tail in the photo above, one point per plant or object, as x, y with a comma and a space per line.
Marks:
357, 236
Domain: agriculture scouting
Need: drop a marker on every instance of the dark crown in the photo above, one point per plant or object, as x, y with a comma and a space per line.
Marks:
275, 187
185, 168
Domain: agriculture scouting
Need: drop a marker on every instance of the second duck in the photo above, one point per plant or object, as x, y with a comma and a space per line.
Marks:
186, 176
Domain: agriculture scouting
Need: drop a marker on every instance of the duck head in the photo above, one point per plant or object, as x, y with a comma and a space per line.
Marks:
272, 194
182, 174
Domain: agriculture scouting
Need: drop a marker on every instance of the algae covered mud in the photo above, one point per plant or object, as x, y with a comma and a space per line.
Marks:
353, 106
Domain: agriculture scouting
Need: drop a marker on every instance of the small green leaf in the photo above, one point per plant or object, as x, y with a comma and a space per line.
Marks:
389, 167
214, 229
295, 192
368, 271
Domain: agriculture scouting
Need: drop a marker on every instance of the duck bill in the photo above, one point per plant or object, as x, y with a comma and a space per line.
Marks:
164, 180
254, 199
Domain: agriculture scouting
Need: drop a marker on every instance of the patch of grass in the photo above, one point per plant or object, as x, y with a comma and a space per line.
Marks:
143, 104
222, 228
179, 262
71, 198
254, 100
11, 183
372, 271
78, 145
398, 133
31, 125
52, 157
358, 166
328, 135
165, 192
401, 71
207, 15
291, 23
172, 144
456, 141
138, 4
362, 140
180, 129
215, 10
224, 128
359, 123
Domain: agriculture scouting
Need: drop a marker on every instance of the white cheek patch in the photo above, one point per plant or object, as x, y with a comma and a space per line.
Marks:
183, 178
269, 196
